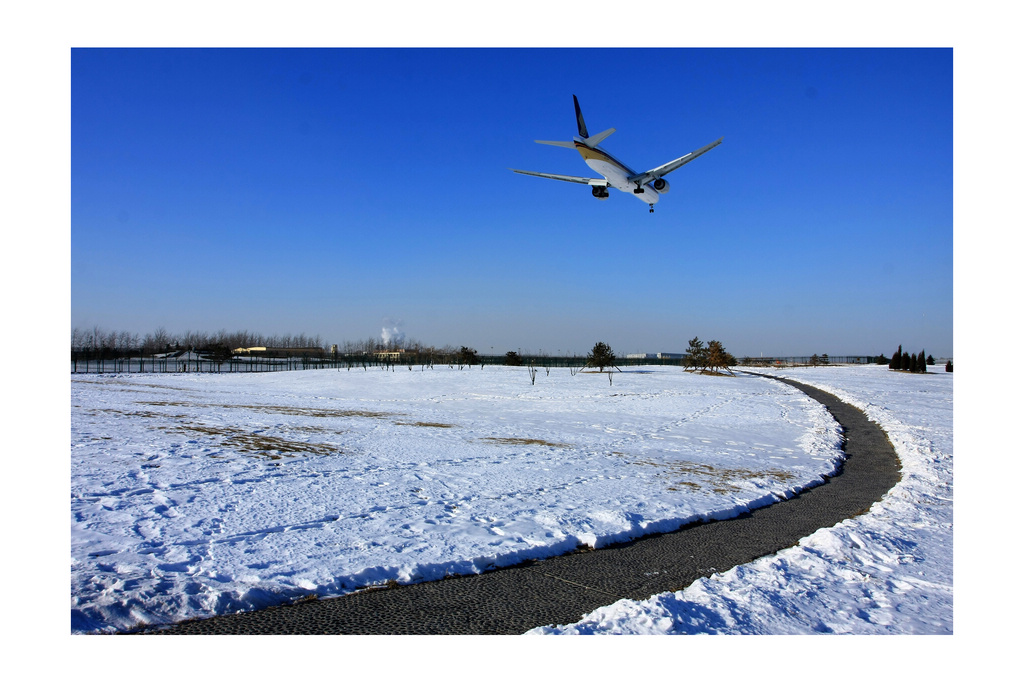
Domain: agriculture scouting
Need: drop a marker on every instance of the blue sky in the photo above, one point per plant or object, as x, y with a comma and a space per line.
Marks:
328, 192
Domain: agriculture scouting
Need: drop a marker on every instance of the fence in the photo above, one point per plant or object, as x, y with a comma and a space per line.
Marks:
90, 362
143, 364
796, 360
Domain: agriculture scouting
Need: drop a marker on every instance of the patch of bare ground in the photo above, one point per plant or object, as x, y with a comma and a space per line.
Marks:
281, 409
259, 444
524, 441
721, 480
138, 413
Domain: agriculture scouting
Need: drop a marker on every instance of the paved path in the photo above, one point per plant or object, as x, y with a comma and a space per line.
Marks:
563, 589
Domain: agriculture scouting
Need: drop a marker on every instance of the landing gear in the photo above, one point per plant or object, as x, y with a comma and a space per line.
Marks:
652, 207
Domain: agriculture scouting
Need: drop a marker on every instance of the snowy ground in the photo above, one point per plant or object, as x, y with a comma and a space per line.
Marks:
193, 495
887, 571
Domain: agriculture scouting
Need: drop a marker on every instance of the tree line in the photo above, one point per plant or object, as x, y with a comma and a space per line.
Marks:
908, 362
160, 341
97, 340
100, 343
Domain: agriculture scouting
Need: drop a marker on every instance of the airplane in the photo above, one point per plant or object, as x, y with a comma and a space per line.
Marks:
647, 186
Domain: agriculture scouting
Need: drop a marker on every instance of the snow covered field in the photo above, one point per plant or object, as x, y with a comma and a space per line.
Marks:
193, 495
887, 571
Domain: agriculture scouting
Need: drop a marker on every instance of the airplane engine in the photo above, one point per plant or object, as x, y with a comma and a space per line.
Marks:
600, 193
661, 184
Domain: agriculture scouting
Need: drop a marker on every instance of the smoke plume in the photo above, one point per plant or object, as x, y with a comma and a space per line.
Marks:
391, 334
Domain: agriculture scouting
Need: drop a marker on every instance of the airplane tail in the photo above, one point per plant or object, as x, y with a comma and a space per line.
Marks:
581, 127
580, 124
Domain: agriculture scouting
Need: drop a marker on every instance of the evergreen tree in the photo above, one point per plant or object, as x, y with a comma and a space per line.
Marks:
467, 356
913, 363
930, 360
601, 356
949, 365
512, 358
896, 358
922, 363
717, 358
696, 354
905, 361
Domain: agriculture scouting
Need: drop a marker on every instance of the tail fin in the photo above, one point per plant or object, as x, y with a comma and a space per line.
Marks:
580, 125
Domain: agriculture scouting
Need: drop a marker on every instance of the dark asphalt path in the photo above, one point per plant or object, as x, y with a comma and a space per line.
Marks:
563, 589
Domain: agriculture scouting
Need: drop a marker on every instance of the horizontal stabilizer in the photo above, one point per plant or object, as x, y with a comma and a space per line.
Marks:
595, 140
570, 145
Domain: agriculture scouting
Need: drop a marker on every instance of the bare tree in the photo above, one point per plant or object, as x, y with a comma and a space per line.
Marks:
127, 341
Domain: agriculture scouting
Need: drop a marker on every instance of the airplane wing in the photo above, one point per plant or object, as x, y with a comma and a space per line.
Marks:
600, 182
665, 169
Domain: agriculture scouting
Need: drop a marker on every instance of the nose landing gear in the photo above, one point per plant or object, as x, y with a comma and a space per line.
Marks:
652, 207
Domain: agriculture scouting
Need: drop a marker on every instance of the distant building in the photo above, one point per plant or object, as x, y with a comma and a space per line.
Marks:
264, 351
654, 356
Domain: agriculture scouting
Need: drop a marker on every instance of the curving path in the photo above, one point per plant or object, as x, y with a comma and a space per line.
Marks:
563, 589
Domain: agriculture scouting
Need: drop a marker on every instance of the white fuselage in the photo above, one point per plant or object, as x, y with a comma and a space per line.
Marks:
615, 172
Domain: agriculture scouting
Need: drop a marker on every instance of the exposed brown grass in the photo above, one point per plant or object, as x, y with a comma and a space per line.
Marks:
525, 441
272, 447
687, 484
138, 413
721, 480
281, 409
